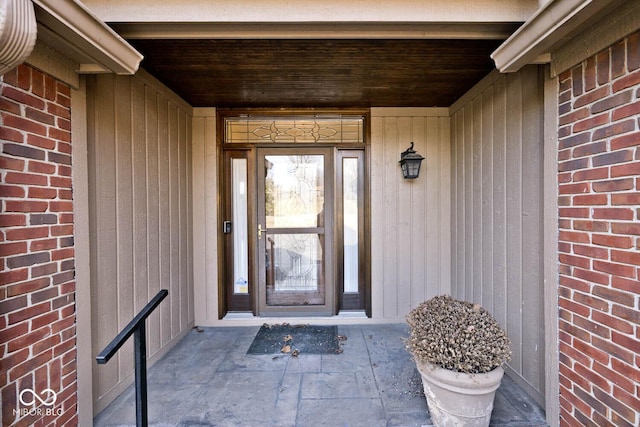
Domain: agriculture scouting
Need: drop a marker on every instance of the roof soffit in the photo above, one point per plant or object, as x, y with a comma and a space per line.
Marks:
69, 27
550, 27
622, 21
332, 53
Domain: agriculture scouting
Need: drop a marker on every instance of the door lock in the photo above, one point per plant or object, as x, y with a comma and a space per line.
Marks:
260, 231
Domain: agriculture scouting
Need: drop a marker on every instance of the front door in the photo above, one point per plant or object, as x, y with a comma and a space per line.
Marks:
295, 271
293, 217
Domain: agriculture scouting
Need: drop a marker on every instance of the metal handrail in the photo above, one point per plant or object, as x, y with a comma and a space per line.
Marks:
137, 328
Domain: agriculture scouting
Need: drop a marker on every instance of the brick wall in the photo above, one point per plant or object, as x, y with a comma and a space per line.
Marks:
37, 285
599, 238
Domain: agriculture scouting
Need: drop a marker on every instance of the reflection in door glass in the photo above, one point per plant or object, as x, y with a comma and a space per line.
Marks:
294, 191
294, 262
350, 218
294, 217
240, 245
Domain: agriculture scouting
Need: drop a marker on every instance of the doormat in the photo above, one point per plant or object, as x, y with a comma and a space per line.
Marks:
296, 339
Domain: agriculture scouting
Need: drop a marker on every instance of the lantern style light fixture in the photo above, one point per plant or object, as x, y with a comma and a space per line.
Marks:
410, 163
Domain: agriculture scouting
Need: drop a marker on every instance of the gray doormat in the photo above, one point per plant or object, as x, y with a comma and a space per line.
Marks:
296, 339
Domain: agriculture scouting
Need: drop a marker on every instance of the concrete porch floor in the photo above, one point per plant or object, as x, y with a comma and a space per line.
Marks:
209, 380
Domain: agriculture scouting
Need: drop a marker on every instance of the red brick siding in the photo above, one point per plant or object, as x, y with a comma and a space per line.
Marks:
599, 238
37, 284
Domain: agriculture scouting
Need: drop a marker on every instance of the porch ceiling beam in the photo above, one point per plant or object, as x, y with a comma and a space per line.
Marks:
343, 30
550, 27
308, 11
69, 27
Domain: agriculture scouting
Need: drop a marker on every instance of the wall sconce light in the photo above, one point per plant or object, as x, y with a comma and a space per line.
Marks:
410, 163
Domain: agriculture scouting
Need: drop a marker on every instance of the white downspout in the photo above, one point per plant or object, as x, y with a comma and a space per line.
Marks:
18, 32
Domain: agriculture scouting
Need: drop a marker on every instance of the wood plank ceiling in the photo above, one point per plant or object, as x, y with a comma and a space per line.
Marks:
335, 73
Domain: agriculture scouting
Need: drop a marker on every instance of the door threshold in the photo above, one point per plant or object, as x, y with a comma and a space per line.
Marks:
352, 314
344, 314
234, 315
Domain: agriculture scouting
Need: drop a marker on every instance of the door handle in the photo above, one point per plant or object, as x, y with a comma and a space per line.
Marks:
260, 231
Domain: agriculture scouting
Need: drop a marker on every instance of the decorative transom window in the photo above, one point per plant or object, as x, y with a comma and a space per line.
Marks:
301, 130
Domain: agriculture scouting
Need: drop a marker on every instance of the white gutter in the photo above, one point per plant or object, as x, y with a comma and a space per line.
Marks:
71, 27
550, 26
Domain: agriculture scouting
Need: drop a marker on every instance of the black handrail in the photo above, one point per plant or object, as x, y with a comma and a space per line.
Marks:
136, 327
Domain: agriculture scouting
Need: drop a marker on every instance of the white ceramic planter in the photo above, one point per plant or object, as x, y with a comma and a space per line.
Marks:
459, 400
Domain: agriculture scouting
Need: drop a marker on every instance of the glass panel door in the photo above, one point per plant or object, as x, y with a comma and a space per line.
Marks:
294, 217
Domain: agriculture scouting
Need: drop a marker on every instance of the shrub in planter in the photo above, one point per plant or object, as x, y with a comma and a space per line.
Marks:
457, 345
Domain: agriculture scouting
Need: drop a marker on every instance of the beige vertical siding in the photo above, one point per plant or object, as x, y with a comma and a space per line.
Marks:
497, 215
139, 143
410, 219
205, 214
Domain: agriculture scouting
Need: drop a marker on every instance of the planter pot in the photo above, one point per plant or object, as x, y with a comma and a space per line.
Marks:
458, 399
